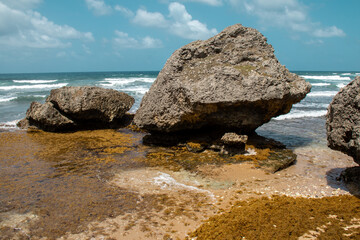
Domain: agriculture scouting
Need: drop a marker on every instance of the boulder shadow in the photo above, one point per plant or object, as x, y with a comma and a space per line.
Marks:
347, 179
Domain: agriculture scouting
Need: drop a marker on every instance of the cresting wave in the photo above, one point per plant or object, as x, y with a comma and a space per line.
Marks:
322, 94
37, 86
302, 114
130, 80
335, 77
7, 99
34, 81
320, 84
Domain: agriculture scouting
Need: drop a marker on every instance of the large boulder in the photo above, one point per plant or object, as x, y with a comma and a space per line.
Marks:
232, 81
72, 108
343, 121
91, 103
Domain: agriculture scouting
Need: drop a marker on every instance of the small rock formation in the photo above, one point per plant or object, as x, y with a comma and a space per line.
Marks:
231, 81
71, 108
343, 121
233, 143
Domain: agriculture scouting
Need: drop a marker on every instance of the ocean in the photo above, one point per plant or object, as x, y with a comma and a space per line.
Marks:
303, 125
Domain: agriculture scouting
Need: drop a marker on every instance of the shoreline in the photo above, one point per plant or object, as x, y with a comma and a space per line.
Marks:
158, 202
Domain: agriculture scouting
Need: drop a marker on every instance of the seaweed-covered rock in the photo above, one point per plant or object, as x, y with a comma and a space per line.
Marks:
343, 121
231, 81
73, 108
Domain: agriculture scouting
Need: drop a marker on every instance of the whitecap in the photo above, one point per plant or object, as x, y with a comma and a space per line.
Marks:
34, 81
335, 77
322, 94
320, 84
311, 105
136, 90
124, 81
302, 114
7, 99
37, 86
346, 74
341, 85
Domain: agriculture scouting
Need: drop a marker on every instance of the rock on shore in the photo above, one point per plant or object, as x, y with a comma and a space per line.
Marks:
71, 108
343, 121
232, 81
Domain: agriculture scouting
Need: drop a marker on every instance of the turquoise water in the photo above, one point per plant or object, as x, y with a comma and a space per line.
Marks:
306, 119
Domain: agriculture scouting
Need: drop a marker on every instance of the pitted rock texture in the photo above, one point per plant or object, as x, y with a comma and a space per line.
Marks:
232, 81
72, 108
343, 121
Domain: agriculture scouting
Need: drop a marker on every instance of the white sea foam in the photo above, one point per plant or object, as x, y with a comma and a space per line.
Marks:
302, 114
9, 125
341, 85
322, 94
165, 181
320, 84
137, 90
346, 74
7, 99
37, 86
124, 81
311, 105
34, 81
334, 77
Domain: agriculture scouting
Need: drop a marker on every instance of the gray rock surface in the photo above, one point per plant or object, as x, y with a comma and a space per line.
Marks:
232, 80
343, 120
88, 103
47, 117
72, 108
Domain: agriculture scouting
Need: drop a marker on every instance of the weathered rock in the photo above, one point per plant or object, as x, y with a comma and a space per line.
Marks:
91, 103
232, 80
48, 118
233, 139
72, 108
233, 143
343, 121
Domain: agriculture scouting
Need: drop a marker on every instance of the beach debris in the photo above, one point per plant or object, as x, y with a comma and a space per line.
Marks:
342, 120
231, 81
72, 108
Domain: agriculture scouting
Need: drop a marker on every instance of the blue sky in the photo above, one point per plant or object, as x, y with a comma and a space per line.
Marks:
118, 35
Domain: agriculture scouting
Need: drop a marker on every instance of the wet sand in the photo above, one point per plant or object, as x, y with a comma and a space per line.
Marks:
105, 185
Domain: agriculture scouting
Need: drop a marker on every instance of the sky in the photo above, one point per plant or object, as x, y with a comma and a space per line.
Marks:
119, 35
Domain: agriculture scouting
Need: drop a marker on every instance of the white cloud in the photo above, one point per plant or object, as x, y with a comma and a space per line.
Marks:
123, 40
149, 19
99, 7
21, 4
123, 10
184, 26
179, 22
28, 28
214, 3
209, 2
329, 32
290, 14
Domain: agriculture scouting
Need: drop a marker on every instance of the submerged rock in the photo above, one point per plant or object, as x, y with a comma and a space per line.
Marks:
231, 81
343, 121
71, 108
